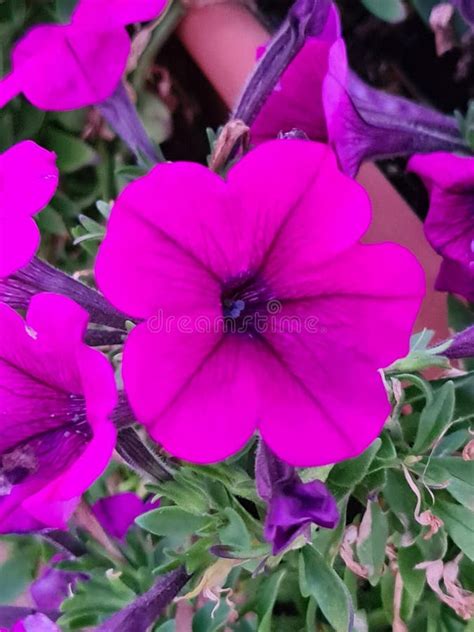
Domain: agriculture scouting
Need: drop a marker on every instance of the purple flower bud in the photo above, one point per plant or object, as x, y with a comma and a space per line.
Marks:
305, 18
364, 123
143, 612
292, 504
462, 345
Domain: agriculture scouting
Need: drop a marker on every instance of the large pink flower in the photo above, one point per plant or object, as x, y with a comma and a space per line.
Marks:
297, 100
56, 396
28, 180
449, 226
68, 66
263, 309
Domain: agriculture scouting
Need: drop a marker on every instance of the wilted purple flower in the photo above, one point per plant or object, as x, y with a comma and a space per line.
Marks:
117, 513
364, 123
292, 505
141, 613
449, 226
53, 586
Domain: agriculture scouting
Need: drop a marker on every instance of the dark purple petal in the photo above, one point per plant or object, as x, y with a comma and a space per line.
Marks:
38, 276
292, 504
365, 123
53, 586
141, 613
117, 513
305, 18
466, 9
121, 114
455, 278
462, 345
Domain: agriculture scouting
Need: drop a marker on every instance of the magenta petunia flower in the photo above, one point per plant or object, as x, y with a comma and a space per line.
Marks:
296, 101
28, 180
449, 226
263, 311
56, 396
117, 513
364, 123
68, 66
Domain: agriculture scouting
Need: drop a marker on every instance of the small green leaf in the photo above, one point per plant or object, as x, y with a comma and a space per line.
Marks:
373, 534
458, 523
172, 521
205, 620
413, 579
387, 10
266, 600
50, 221
72, 153
349, 473
235, 533
435, 418
323, 584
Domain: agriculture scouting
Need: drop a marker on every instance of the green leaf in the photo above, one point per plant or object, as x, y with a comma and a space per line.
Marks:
205, 621
458, 523
435, 418
18, 571
413, 579
453, 473
72, 153
387, 10
266, 599
349, 473
373, 534
323, 584
235, 533
172, 521
50, 221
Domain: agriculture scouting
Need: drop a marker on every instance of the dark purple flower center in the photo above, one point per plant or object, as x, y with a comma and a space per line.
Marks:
245, 301
44, 455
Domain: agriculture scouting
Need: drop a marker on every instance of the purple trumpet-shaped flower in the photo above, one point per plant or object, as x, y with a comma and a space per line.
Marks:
18, 289
143, 612
462, 345
296, 100
305, 18
449, 226
56, 398
364, 123
292, 505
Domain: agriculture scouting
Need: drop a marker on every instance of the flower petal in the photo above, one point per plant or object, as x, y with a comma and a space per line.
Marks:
19, 240
337, 407
83, 66
199, 399
108, 14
